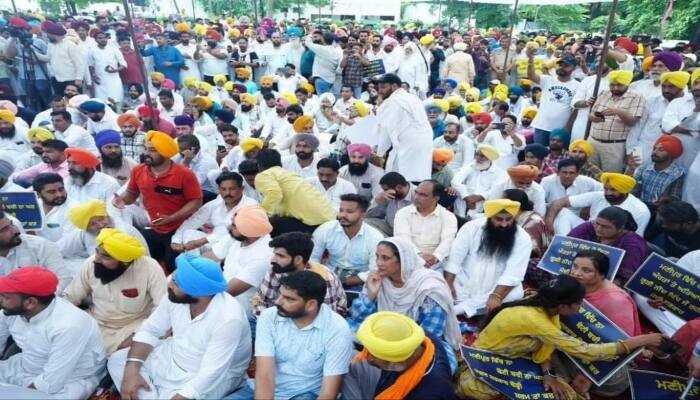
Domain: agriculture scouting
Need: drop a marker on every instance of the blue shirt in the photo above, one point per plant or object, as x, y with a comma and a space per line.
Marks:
169, 54
304, 356
346, 255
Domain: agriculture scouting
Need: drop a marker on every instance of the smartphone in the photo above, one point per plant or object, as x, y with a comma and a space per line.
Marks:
637, 152
669, 346
499, 125
221, 148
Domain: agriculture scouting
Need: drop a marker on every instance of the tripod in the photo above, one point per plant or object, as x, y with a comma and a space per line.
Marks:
34, 98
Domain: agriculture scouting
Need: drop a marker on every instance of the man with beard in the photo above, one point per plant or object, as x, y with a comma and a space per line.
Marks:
247, 150
557, 94
58, 103
245, 58
327, 181
396, 194
283, 140
170, 193
613, 115
151, 121
390, 56
55, 204
248, 117
112, 161
581, 151
304, 159
360, 172
516, 102
681, 120
85, 183
617, 191
488, 260
192, 157
131, 137
302, 348
53, 159
277, 55
6, 185
74, 135
534, 154
374, 50
98, 118
462, 147
210, 347
62, 354
188, 49
18, 250
291, 253
13, 138
661, 179
665, 61
474, 182
168, 105
166, 58
120, 284
522, 177
276, 123
36, 136
436, 118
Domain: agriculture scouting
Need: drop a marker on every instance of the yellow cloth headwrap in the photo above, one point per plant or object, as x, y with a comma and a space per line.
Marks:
219, 78
303, 122
475, 93
228, 86
291, 98
621, 76
463, 86
309, 87
200, 29
473, 107
525, 82
495, 206
182, 27
81, 215
119, 245
646, 64
530, 112
164, 144
190, 82
234, 33
249, 99
250, 144
205, 86
266, 80
678, 79
695, 75
427, 40
157, 76
243, 72
620, 182
443, 104
361, 107
203, 102
7, 116
488, 151
454, 101
501, 88
583, 145
500, 96
40, 134
390, 336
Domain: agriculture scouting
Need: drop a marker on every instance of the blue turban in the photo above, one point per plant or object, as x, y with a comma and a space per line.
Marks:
295, 31
431, 107
451, 82
516, 90
183, 120
199, 276
107, 136
92, 106
537, 150
439, 90
561, 134
225, 115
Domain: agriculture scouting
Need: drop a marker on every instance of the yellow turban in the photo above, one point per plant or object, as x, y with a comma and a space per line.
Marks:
249, 99
205, 103
190, 83
583, 145
182, 27
646, 64
164, 144
81, 215
243, 72
361, 107
496, 206
158, 76
40, 134
205, 86
525, 82
291, 98
488, 151
695, 75
454, 101
228, 86
200, 29
443, 155
303, 122
620, 182
463, 86
678, 79
390, 336
234, 33
500, 96
501, 88
7, 116
309, 87
249, 32
119, 245
219, 78
250, 144
473, 107
531, 45
266, 80
530, 112
475, 93
427, 40
621, 76
443, 104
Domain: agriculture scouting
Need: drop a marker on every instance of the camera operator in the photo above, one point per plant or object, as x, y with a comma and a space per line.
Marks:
31, 57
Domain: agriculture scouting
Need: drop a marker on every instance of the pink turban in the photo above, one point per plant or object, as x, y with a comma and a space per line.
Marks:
361, 148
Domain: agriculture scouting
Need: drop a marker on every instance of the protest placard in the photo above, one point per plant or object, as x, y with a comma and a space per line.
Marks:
25, 207
650, 385
659, 278
364, 130
516, 378
374, 68
591, 326
560, 255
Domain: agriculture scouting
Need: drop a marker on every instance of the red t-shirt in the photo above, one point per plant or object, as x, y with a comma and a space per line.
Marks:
166, 194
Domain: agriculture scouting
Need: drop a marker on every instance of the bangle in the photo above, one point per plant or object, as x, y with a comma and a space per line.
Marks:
549, 373
624, 346
664, 357
134, 359
497, 295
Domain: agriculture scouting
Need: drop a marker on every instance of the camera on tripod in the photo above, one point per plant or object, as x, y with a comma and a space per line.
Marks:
25, 38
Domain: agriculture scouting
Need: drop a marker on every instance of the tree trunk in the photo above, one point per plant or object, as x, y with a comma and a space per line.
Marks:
269, 7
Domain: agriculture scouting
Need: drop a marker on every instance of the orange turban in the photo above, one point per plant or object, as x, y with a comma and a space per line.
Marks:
252, 221
672, 145
443, 155
128, 118
523, 172
82, 157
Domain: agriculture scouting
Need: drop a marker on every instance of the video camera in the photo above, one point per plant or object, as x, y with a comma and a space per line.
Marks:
25, 38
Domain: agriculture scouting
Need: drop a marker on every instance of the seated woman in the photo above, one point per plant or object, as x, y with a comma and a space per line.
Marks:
402, 284
531, 328
616, 227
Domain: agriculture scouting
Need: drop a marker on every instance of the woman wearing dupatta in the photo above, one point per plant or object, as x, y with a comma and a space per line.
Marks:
531, 328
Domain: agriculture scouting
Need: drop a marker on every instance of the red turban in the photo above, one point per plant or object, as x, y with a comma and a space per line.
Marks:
482, 118
82, 157
627, 44
30, 280
148, 112
672, 145
214, 34
18, 22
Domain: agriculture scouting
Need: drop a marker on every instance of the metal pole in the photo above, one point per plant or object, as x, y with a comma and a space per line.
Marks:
14, 7
194, 13
513, 19
601, 62
142, 66
439, 12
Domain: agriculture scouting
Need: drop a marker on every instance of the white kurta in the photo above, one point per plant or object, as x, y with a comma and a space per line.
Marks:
36, 250
469, 180
56, 223
100, 187
585, 92
676, 112
110, 83
645, 133
192, 65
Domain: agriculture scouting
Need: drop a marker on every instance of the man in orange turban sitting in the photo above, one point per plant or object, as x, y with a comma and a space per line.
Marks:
663, 177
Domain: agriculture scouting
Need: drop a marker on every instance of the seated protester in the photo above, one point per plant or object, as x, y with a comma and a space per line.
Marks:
112, 160
303, 161
62, 353
349, 242
211, 132
168, 106
192, 157
506, 140
292, 203
184, 125
361, 172
427, 225
74, 135
6, 185
36, 138
302, 348
466, 123
558, 143
55, 206
133, 97
473, 182
248, 115
209, 349
582, 151
120, 284
614, 226
53, 159
399, 361
325, 116
357, 111
99, 116
461, 146
530, 328
249, 170
209, 224
291, 253
327, 181
534, 154
522, 177
662, 178
689, 354
132, 136
276, 123
231, 140
13, 138
152, 121
616, 191
298, 123
397, 193
568, 181
248, 149
436, 118
58, 103
676, 230
440, 172
532, 223
84, 182
18, 250
402, 284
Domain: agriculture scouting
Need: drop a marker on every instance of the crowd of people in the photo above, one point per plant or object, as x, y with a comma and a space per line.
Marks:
269, 209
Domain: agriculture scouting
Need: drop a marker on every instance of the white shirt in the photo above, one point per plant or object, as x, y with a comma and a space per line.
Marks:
36, 250
290, 163
78, 244
11, 187
66, 61
326, 60
585, 92
691, 262
646, 88
507, 149
289, 84
555, 105
215, 214
463, 148
60, 345
470, 180
56, 223
76, 136
192, 64
109, 121
100, 187
535, 193
648, 129
432, 233
16, 146
334, 192
596, 201
273, 125
554, 190
206, 357
676, 112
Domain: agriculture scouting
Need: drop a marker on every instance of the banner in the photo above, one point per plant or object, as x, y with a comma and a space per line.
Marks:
515, 378
374, 68
560, 255
364, 130
650, 385
591, 326
25, 207
660, 278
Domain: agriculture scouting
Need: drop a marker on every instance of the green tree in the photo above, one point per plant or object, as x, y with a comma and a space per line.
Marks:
557, 18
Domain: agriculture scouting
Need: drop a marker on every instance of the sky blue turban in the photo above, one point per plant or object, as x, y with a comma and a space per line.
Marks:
561, 134
199, 276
